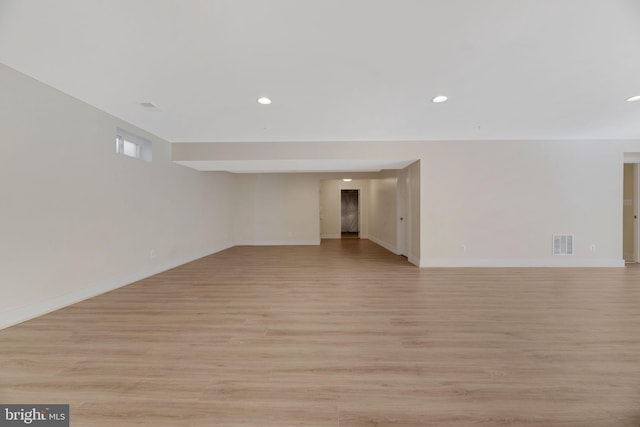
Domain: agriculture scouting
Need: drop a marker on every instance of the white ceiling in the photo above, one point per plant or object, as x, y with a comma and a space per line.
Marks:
340, 70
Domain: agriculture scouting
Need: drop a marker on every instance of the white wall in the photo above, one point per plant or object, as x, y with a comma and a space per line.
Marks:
330, 213
76, 219
276, 209
379, 208
505, 200
383, 212
502, 199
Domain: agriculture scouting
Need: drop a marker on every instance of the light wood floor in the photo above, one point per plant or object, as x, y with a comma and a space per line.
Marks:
344, 334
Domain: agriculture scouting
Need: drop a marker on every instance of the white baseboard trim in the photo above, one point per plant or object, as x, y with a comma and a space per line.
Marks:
414, 260
24, 313
387, 246
564, 262
279, 243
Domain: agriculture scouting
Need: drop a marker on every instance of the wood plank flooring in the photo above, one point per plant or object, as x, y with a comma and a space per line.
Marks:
342, 334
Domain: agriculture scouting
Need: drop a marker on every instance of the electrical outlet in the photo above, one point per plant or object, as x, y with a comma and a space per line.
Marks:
152, 254
463, 248
592, 247
290, 233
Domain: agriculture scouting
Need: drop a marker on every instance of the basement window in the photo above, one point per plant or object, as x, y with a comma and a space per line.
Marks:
132, 145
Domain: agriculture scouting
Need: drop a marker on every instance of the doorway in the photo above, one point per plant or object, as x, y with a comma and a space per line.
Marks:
349, 214
630, 213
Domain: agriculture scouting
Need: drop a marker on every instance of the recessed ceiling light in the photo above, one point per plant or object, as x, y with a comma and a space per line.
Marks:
634, 98
439, 98
264, 100
347, 179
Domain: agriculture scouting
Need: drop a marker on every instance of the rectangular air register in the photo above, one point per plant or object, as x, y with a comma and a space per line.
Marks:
563, 244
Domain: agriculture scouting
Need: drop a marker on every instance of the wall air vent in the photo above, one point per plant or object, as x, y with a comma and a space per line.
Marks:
563, 244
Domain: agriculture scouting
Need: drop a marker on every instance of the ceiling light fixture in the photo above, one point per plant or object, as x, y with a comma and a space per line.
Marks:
440, 98
634, 98
347, 179
264, 100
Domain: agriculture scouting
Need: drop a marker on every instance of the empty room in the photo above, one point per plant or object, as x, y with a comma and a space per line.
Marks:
319, 213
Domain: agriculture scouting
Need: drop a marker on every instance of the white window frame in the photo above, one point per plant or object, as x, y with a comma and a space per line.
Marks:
142, 147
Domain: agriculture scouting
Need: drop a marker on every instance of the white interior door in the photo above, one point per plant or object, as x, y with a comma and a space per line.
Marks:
403, 211
636, 212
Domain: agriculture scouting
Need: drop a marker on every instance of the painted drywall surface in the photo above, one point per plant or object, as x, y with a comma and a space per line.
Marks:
76, 218
502, 202
628, 212
330, 206
388, 151
383, 212
276, 209
89, 218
